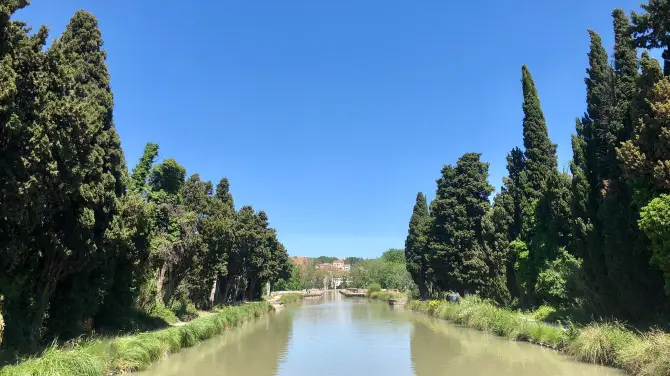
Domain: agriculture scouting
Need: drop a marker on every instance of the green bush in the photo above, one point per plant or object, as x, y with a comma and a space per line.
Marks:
600, 343
543, 313
132, 353
184, 309
290, 298
375, 287
160, 311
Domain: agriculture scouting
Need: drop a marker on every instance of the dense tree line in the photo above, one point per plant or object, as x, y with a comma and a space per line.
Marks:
596, 238
84, 243
388, 271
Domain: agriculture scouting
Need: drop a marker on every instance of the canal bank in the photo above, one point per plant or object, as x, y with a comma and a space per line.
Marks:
98, 357
605, 343
334, 335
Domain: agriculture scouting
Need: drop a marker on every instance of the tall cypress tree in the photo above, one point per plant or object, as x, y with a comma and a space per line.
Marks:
416, 243
540, 153
89, 156
26, 173
540, 164
456, 240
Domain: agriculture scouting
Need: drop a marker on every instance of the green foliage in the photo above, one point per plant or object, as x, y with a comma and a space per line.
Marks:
375, 287
652, 30
388, 274
479, 314
324, 260
416, 245
558, 283
458, 258
143, 168
132, 353
290, 298
543, 313
655, 222
394, 255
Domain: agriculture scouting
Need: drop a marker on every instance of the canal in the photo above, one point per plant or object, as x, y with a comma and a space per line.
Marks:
333, 335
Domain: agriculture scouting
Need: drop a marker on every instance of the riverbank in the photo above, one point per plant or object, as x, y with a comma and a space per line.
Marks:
609, 344
101, 357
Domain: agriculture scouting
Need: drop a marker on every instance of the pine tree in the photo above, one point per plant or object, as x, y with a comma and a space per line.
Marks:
416, 243
456, 240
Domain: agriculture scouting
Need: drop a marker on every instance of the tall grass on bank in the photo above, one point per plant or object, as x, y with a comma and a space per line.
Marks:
478, 314
290, 298
385, 296
99, 357
603, 343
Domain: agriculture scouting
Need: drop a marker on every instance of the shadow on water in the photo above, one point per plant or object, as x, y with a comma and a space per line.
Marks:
255, 348
440, 348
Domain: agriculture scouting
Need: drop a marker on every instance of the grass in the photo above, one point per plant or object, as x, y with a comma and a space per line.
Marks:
385, 296
608, 343
290, 298
99, 357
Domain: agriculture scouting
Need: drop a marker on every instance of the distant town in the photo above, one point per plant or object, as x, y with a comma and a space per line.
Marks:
341, 268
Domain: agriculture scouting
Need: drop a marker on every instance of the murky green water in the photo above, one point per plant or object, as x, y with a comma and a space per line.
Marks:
337, 336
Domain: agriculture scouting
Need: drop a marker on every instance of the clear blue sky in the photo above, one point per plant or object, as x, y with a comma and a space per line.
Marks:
332, 115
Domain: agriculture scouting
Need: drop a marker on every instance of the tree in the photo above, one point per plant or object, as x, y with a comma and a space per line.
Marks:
26, 176
143, 168
539, 168
456, 235
652, 30
416, 252
394, 255
87, 153
540, 153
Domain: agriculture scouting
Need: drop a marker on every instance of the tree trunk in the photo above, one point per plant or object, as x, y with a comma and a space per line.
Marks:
160, 280
212, 294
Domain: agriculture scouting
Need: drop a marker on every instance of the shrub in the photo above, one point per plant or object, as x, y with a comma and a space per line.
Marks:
375, 287
600, 343
648, 354
543, 313
290, 298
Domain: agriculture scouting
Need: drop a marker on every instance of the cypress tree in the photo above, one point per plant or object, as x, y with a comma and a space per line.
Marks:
591, 150
415, 244
458, 255
88, 154
540, 164
652, 30
26, 173
540, 153
223, 193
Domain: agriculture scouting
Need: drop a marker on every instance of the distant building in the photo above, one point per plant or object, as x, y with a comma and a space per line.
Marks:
337, 265
301, 261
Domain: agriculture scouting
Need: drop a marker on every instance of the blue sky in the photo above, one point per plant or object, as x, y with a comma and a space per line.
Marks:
332, 115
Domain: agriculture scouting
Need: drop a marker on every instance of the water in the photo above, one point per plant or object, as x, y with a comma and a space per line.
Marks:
333, 335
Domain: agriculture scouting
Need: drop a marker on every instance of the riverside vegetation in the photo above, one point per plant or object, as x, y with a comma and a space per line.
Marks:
91, 248
591, 244
609, 343
96, 357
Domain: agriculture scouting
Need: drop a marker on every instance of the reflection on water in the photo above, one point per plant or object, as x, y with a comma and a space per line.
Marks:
333, 335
